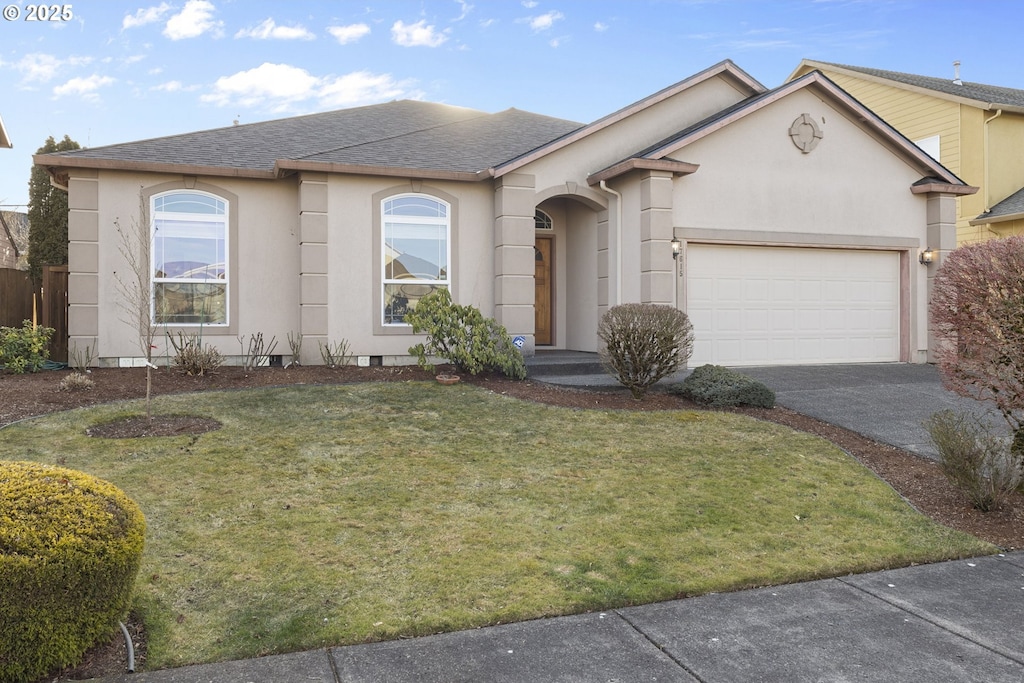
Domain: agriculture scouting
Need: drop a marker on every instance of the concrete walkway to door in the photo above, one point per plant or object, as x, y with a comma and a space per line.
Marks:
887, 402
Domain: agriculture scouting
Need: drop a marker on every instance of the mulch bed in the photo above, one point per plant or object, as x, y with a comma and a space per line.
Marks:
918, 480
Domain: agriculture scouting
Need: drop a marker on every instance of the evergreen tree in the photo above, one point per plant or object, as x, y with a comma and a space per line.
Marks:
47, 214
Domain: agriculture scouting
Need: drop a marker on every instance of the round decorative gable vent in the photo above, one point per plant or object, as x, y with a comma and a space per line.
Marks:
805, 133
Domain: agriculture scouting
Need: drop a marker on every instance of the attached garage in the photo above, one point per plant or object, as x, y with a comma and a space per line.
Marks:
756, 305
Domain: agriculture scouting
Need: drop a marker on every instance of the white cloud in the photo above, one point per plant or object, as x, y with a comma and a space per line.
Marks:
146, 15
529, 4
363, 87
270, 30
169, 86
466, 9
193, 21
348, 34
84, 87
43, 67
417, 35
545, 21
279, 87
600, 27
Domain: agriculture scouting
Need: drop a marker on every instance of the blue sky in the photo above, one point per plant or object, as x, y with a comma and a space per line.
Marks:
114, 71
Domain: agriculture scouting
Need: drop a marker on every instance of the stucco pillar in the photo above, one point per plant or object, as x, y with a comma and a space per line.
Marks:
604, 281
941, 238
514, 256
83, 263
313, 265
657, 267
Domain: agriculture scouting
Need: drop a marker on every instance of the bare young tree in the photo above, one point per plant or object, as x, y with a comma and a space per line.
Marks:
977, 314
136, 287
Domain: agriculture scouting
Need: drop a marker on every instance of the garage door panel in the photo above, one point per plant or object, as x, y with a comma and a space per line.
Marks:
767, 305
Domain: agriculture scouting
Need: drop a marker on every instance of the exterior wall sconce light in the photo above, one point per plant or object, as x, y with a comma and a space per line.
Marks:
677, 248
927, 256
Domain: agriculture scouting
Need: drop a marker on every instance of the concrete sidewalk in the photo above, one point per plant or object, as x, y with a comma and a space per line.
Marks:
951, 621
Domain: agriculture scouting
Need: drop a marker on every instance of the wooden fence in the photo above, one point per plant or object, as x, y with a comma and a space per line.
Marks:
47, 305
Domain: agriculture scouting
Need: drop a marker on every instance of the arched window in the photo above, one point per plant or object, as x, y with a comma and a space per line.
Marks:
189, 265
542, 221
416, 253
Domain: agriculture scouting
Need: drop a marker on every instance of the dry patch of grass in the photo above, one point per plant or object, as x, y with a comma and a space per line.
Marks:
343, 514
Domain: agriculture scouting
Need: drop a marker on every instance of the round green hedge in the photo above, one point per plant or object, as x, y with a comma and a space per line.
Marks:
70, 547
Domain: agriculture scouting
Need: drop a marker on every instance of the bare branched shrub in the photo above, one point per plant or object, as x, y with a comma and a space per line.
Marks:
294, 348
977, 314
192, 357
644, 343
259, 352
979, 463
82, 358
334, 355
76, 381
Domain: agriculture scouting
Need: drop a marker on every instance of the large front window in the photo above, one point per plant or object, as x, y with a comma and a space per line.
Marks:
416, 235
189, 259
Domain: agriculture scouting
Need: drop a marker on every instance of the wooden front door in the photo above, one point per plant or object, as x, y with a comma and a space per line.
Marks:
542, 290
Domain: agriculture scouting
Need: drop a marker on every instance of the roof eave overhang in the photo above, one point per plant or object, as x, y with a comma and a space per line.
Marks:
678, 168
56, 164
984, 219
5, 139
943, 188
285, 167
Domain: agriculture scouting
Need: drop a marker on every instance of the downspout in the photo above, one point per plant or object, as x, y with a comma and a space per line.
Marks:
988, 162
618, 241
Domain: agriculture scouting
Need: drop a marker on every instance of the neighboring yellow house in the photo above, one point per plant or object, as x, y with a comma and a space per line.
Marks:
974, 130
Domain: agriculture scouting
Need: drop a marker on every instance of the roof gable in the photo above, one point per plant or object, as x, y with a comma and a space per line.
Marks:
726, 70
823, 87
976, 94
5, 140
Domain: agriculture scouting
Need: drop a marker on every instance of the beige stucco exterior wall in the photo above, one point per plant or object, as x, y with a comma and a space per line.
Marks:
353, 284
263, 285
754, 186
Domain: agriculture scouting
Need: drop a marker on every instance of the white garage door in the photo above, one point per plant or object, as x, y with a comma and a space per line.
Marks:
784, 306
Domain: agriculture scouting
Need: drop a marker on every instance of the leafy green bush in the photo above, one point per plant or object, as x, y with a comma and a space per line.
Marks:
192, 357
462, 336
982, 465
70, 547
644, 343
25, 348
720, 387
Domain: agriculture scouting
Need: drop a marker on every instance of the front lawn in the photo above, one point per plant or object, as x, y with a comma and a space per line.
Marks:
343, 514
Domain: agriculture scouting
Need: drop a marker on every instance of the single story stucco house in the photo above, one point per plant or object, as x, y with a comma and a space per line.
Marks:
788, 223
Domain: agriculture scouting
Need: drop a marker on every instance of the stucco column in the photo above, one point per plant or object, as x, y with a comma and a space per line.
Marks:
84, 261
514, 256
313, 264
657, 267
604, 262
941, 237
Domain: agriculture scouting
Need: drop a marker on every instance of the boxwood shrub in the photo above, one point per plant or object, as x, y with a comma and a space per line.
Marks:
70, 547
720, 387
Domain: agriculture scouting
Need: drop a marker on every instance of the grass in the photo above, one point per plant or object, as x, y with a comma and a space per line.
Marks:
344, 514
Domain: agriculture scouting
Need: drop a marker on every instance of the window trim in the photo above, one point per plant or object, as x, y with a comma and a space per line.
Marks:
230, 199
377, 271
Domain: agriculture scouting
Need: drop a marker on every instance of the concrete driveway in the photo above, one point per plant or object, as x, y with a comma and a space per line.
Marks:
887, 402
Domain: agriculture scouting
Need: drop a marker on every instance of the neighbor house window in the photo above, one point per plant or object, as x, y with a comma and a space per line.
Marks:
416, 234
189, 259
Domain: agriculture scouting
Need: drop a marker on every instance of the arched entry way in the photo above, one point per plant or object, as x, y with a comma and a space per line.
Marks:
566, 281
